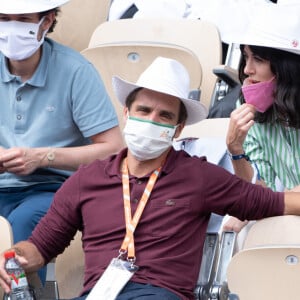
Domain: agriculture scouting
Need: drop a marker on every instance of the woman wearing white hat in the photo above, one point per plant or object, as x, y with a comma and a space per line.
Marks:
264, 131
55, 113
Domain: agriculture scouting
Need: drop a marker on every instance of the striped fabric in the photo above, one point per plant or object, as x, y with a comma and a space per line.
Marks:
276, 151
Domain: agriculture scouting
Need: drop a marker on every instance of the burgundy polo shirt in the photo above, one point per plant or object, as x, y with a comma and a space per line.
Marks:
169, 238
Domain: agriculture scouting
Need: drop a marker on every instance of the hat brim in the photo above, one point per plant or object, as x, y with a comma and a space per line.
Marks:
259, 40
273, 26
195, 110
28, 6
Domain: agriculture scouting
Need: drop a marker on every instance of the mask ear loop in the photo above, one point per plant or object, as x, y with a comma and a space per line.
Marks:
45, 31
41, 21
175, 127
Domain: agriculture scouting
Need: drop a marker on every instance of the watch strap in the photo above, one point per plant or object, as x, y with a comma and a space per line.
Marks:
50, 156
238, 156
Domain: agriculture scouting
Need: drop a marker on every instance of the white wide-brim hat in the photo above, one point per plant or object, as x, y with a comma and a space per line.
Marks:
274, 26
166, 76
28, 6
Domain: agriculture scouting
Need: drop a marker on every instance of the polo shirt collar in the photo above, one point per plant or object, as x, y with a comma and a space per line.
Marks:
5, 74
39, 77
113, 165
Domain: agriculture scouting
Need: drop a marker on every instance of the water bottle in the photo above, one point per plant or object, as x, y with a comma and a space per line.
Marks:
19, 284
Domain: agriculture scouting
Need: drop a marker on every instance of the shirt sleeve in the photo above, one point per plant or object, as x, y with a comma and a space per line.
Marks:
57, 228
92, 108
228, 194
255, 150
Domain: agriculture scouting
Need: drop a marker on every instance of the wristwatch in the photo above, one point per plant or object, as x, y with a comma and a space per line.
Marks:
238, 156
50, 156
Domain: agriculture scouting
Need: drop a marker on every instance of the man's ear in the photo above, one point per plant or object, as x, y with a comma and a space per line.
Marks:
46, 24
179, 130
125, 113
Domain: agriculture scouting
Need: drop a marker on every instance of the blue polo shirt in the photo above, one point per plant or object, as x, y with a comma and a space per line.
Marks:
62, 105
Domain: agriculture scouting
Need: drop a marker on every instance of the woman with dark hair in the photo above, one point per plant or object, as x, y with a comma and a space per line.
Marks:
284, 67
263, 138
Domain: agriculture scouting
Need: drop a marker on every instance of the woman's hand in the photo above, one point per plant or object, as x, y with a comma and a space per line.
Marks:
241, 120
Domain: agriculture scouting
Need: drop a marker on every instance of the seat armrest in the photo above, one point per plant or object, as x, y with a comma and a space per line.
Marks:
227, 74
208, 265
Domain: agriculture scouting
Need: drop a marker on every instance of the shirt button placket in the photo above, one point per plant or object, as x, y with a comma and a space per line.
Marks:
19, 110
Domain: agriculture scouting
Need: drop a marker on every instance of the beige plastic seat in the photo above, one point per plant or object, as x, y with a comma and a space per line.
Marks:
213, 128
69, 269
78, 20
126, 47
6, 234
269, 265
6, 239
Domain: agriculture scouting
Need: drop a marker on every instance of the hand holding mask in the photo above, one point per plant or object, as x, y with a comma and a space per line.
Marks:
260, 95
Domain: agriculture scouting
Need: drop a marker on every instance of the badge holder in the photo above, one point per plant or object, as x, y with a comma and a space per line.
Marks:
114, 278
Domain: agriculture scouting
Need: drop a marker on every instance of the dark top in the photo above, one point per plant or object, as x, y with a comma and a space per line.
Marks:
169, 238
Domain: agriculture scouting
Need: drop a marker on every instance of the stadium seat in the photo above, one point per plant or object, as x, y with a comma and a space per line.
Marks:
268, 267
69, 269
212, 128
6, 239
77, 21
126, 47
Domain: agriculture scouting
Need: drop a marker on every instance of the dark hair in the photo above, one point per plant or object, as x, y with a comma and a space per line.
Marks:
286, 68
56, 12
131, 97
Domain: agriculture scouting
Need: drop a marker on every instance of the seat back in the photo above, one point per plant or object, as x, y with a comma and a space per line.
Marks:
127, 47
129, 69
6, 234
269, 265
6, 239
69, 269
206, 138
213, 128
78, 20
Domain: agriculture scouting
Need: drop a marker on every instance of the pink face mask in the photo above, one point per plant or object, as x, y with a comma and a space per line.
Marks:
260, 95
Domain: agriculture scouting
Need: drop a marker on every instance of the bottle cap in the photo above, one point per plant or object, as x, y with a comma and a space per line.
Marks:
9, 254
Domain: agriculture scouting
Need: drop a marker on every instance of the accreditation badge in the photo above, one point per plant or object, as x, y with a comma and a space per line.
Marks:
112, 281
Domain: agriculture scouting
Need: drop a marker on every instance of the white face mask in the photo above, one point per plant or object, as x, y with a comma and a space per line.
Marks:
19, 40
146, 139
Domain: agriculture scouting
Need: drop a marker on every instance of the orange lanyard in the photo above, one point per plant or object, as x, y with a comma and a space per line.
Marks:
131, 223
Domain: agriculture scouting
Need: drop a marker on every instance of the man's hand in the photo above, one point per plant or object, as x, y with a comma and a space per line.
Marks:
2, 169
294, 189
234, 224
5, 280
20, 161
29, 258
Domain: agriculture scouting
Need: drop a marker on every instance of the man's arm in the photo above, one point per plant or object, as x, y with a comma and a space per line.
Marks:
28, 256
291, 207
292, 203
104, 144
23, 161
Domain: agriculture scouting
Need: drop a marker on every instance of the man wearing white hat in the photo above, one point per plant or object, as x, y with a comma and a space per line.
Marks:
55, 113
143, 213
